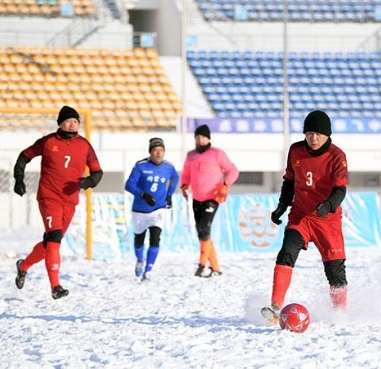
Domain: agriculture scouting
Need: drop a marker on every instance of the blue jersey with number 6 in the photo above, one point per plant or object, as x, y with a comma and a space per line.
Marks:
158, 180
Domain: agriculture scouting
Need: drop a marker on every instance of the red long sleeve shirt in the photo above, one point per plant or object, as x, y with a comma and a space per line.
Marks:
315, 176
63, 163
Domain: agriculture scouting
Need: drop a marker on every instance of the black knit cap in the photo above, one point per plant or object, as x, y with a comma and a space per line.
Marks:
203, 131
317, 121
67, 112
154, 142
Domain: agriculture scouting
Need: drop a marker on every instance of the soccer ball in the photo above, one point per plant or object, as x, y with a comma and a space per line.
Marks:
294, 317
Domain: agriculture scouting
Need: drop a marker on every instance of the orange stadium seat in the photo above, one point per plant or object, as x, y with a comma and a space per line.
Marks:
47, 8
91, 78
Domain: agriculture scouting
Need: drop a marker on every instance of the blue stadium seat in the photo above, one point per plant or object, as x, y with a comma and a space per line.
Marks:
340, 83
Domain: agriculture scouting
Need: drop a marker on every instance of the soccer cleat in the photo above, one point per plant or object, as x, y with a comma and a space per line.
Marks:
214, 273
146, 276
271, 314
139, 268
20, 279
200, 270
59, 292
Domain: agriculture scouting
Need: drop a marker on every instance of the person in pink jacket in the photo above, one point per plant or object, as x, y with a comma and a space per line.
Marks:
209, 173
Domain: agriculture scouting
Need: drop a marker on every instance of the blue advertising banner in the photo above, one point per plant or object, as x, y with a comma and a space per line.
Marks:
241, 224
275, 125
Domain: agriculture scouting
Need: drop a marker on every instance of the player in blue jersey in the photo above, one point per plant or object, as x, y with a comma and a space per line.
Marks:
152, 181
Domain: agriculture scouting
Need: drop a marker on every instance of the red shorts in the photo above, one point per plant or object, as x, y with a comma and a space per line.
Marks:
56, 215
325, 232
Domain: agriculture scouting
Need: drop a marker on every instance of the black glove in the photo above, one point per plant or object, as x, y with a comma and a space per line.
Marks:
150, 200
323, 209
86, 182
277, 213
20, 188
169, 202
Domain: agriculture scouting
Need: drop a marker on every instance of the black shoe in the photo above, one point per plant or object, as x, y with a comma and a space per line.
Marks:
214, 273
20, 279
59, 292
200, 270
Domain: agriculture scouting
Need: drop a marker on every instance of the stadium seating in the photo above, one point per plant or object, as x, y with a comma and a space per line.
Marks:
47, 8
250, 84
125, 89
298, 10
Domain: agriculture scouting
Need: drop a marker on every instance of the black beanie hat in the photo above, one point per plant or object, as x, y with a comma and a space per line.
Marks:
67, 112
154, 142
203, 131
317, 121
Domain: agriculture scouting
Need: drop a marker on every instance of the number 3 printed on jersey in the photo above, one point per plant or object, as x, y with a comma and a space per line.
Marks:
309, 181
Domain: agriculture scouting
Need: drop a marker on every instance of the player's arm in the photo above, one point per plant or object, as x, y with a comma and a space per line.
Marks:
96, 172
92, 180
339, 189
333, 202
131, 184
229, 168
185, 178
286, 198
287, 192
18, 174
174, 180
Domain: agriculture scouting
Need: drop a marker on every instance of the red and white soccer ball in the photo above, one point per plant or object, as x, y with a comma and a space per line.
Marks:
294, 317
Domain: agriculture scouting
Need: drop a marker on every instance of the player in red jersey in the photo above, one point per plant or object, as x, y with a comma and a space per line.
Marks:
314, 185
64, 157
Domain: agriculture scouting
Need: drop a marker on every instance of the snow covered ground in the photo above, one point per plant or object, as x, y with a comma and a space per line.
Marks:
112, 320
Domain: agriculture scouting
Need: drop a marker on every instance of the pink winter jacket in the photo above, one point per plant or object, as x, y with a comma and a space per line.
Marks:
204, 172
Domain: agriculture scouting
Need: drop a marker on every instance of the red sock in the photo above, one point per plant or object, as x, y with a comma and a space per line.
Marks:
52, 262
38, 253
338, 297
281, 282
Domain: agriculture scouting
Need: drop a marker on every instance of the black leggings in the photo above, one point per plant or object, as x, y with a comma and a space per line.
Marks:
204, 213
154, 237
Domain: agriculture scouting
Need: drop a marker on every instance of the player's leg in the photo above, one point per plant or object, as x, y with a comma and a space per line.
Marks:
336, 276
56, 218
204, 247
139, 253
330, 242
22, 266
37, 254
204, 215
214, 264
140, 222
53, 262
293, 242
153, 250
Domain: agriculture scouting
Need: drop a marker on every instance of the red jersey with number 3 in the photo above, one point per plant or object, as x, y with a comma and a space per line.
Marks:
315, 177
63, 163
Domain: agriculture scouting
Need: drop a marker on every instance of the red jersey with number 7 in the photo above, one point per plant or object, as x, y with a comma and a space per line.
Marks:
315, 177
63, 163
